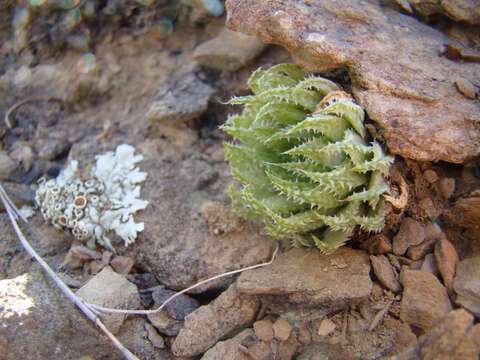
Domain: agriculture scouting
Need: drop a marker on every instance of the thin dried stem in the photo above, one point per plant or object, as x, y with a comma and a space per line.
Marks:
87, 310
7, 120
203, 282
91, 310
402, 201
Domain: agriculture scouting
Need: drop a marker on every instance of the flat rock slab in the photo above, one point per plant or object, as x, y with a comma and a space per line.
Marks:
394, 61
306, 277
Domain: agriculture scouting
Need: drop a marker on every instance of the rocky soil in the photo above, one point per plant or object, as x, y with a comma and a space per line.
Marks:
155, 76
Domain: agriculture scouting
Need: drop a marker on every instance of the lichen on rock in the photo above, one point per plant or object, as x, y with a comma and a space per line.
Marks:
306, 169
94, 207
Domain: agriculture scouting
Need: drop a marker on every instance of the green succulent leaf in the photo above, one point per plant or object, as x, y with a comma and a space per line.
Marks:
305, 170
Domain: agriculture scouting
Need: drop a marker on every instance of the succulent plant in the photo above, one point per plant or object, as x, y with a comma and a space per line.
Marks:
305, 168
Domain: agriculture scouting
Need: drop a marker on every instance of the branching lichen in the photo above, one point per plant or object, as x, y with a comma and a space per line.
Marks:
106, 202
302, 160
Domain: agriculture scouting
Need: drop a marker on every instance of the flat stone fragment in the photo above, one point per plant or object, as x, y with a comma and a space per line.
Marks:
228, 51
204, 327
418, 252
179, 307
425, 301
429, 265
384, 272
165, 324
263, 330
183, 97
112, 290
447, 258
411, 233
467, 285
466, 88
378, 244
308, 278
398, 74
230, 349
282, 329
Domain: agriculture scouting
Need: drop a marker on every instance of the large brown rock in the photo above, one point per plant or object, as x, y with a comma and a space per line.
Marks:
308, 278
397, 72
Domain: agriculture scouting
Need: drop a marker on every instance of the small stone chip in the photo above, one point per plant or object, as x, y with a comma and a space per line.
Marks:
263, 330
447, 187
466, 88
326, 327
155, 338
282, 329
122, 264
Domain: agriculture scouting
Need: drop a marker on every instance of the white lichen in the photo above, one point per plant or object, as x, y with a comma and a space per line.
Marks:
105, 203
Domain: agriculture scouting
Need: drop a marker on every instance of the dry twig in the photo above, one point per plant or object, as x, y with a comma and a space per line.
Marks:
402, 201
87, 310
92, 311
166, 302
16, 106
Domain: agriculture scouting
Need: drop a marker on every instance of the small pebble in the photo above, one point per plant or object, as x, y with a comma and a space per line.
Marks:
282, 329
466, 88
155, 338
431, 176
95, 267
326, 327
263, 330
447, 187
122, 264
429, 208
378, 244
